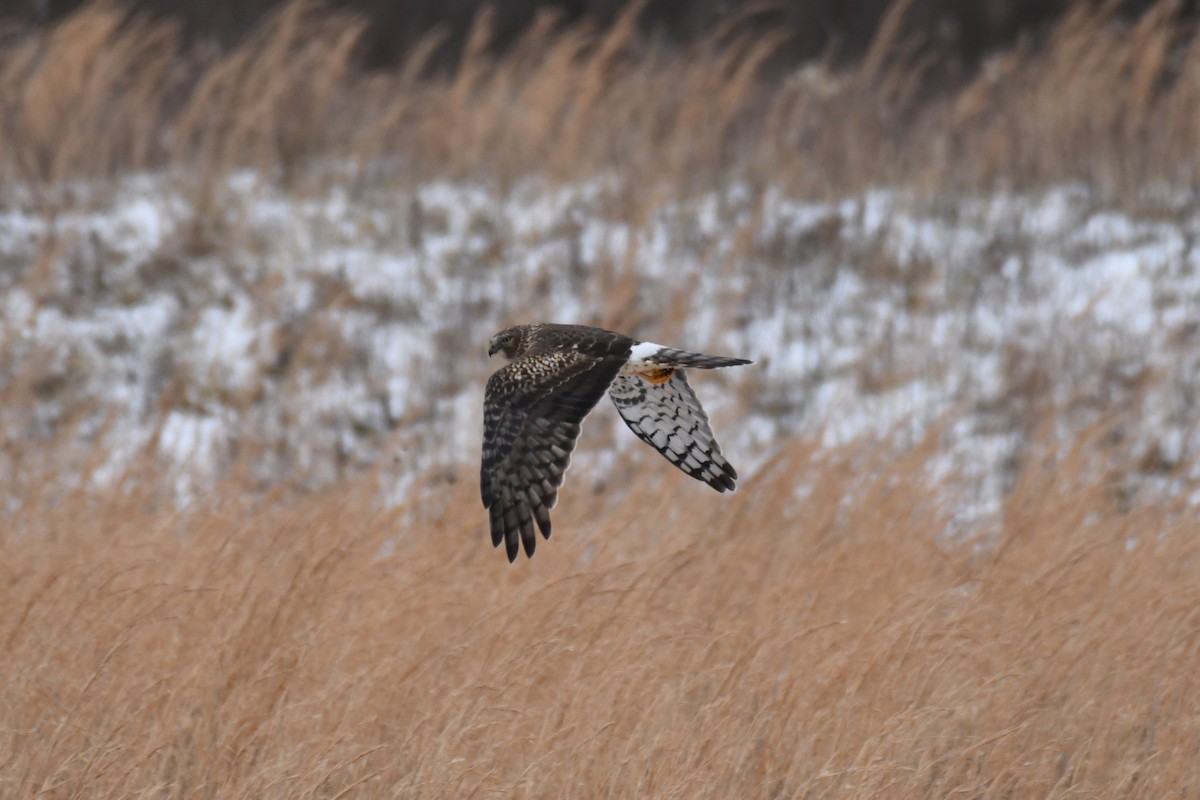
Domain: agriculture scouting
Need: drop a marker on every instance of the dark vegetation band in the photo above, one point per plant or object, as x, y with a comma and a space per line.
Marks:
964, 32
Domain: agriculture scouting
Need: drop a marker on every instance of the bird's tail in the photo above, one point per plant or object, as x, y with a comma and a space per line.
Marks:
668, 357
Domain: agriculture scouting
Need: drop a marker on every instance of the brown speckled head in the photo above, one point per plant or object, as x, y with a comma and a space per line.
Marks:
512, 341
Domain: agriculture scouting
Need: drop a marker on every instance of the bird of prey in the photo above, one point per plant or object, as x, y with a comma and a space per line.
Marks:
534, 405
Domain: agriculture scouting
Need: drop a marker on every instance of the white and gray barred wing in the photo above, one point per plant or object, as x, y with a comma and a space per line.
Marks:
668, 417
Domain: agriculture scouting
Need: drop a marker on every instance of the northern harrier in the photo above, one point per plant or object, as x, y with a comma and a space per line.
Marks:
534, 405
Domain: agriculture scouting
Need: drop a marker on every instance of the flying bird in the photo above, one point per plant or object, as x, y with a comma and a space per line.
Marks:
533, 408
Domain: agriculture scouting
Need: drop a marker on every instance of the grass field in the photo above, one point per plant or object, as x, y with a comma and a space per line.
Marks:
245, 296
667, 642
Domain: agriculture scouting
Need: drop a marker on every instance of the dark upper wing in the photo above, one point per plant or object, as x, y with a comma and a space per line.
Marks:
532, 411
669, 418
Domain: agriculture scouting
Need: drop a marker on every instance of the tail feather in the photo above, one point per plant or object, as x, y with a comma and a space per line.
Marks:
669, 357
681, 358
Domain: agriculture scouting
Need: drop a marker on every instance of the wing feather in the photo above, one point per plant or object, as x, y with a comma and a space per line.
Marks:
668, 417
533, 408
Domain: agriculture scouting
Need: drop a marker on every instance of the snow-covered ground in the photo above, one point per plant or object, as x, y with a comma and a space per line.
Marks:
327, 332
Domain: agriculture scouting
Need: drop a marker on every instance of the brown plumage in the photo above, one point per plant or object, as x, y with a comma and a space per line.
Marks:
533, 408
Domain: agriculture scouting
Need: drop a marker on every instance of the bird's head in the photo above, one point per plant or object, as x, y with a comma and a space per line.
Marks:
510, 341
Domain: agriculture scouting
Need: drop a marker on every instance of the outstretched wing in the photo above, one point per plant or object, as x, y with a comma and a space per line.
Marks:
532, 411
663, 411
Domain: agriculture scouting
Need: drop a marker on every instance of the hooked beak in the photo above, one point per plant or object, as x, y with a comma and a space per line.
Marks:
492, 348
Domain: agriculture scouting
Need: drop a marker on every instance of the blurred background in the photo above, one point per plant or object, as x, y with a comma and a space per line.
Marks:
275, 234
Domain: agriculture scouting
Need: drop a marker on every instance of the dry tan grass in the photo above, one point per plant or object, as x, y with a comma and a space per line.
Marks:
1097, 99
675, 644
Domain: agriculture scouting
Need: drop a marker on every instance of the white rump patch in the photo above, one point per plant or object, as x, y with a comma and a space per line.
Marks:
641, 352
